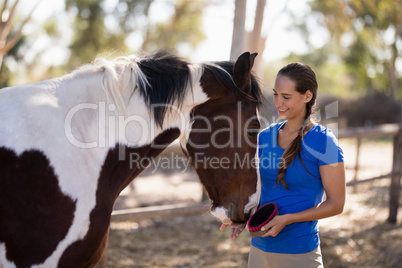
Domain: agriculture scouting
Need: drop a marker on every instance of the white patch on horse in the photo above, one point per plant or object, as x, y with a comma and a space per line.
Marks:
222, 214
197, 97
4, 263
254, 199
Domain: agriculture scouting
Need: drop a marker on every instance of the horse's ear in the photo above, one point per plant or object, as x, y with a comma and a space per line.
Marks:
242, 69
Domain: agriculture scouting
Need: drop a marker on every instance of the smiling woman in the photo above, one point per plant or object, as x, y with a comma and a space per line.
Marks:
310, 163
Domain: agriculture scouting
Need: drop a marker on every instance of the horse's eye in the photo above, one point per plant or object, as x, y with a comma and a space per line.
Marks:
253, 132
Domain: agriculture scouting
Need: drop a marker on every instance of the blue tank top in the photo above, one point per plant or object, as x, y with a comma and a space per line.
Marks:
319, 147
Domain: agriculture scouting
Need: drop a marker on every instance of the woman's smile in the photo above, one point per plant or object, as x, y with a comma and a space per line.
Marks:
282, 111
289, 103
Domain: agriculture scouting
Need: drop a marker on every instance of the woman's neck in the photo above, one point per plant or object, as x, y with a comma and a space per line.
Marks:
293, 125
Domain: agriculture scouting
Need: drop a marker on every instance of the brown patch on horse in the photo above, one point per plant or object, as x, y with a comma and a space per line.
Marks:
34, 214
114, 177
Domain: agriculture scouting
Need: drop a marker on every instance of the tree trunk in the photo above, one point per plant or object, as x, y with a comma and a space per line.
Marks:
395, 187
1, 61
239, 33
393, 76
256, 43
255, 36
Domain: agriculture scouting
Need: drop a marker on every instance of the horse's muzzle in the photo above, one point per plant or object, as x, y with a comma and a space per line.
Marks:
237, 216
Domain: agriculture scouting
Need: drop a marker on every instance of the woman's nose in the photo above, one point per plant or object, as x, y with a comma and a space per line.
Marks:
278, 101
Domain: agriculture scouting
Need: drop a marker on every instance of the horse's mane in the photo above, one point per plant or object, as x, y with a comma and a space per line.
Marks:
169, 80
162, 79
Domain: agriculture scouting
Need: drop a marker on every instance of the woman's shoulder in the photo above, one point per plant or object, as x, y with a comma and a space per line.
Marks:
321, 138
323, 144
320, 131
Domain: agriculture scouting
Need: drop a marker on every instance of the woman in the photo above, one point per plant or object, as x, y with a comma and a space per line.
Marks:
299, 161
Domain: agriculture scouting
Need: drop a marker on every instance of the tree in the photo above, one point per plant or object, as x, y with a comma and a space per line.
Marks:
239, 32
7, 15
182, 28
253, 41
93, 36
368, 33
256, 42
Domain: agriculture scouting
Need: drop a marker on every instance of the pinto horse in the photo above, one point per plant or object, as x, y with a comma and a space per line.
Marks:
68, 145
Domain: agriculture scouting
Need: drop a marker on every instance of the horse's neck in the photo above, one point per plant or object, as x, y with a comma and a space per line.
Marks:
123, 163
135, 126
76, 89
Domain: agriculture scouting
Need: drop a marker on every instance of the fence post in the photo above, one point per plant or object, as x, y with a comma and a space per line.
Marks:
358, 145
395, 187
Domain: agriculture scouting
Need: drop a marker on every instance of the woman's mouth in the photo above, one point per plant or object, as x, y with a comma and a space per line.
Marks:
282, 111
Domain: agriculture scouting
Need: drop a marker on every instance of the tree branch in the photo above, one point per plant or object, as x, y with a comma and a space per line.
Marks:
2, 10
7, 25
11, 43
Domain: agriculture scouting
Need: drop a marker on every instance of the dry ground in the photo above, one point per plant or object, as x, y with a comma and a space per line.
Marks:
360, 237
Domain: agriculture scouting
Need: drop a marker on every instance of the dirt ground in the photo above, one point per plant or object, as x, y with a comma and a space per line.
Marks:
359, 237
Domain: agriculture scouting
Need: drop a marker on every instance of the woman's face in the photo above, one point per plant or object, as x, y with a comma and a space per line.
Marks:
290, 103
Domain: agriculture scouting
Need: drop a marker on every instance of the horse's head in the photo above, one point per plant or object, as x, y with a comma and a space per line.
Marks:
222, 143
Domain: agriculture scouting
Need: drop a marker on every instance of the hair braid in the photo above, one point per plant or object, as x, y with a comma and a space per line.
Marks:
305, 79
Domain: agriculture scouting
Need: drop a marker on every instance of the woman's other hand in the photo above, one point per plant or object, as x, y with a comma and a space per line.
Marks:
235, 229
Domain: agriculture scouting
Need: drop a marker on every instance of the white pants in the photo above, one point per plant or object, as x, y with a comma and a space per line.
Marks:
261, 259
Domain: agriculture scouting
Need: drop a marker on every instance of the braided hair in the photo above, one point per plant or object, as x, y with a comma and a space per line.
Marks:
305, 79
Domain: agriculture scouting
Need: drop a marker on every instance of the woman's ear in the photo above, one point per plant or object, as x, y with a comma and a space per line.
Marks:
308, 96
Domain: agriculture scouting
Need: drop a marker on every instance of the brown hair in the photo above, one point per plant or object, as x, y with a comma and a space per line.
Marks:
305, 79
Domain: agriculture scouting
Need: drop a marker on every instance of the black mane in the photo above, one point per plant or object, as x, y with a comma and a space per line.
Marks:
168, 78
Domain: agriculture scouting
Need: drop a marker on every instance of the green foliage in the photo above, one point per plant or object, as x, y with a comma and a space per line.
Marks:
51, 28
367, 33
102, 27
332, 74
183, 27
5, 73
4, 76
91, 36
132, 14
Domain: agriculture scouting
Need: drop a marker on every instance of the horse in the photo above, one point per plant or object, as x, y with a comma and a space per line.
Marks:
70, 145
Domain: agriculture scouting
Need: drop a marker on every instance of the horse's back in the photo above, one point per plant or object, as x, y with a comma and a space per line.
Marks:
25, 111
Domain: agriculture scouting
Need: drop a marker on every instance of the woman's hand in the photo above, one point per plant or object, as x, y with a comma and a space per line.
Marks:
235, 229
275, 225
